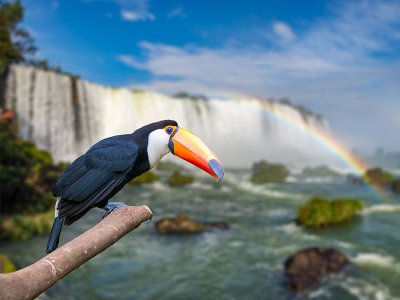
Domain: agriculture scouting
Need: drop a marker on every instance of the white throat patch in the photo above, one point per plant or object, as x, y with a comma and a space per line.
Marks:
157, 146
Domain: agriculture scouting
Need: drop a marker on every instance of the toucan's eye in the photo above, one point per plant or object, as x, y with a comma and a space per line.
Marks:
169, 130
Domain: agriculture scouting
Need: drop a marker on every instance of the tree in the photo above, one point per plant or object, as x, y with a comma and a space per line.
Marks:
16, 45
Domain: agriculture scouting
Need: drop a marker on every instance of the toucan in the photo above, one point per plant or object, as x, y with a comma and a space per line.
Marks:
96, 176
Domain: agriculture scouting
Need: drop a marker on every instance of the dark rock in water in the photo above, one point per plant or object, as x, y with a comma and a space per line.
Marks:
219, 225
184, 225
396, 186
379, 177
148, 177
169, 166
265, 172
319, 171
179, 179
179, 225
354, 179
305, 268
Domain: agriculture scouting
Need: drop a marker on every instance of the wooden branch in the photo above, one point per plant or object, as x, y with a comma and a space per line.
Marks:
33, 280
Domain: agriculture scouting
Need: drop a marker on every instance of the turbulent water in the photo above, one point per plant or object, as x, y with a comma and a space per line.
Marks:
244, 262
65, 116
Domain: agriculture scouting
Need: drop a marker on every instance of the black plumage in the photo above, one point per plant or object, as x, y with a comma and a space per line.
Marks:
98, 175
95, 177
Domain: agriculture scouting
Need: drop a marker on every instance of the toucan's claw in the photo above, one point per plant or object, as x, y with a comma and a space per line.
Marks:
111, 207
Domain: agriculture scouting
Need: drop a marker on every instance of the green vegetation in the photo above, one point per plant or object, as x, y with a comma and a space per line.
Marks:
6, 265
186, 95
265, 172
396, 186
382, 178
304, 111
148, 177
320, 212
16, 44
178, 179
27, 175
378, 176
168, 166
319, 171
24, 226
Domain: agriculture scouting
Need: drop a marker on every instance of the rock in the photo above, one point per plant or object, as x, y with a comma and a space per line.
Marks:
319, 212
168, 166
354, 179
319, 171
6, 265
178, 179
396, 186
219, 225
379, 177
307, 267
148, 177
179, 225
265, 172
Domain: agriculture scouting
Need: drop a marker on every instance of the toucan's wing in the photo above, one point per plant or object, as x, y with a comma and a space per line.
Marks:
96, 176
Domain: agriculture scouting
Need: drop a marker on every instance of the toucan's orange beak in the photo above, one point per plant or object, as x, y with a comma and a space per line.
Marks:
189, 147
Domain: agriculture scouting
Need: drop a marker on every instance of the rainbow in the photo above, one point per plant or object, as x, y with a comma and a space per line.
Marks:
325, 139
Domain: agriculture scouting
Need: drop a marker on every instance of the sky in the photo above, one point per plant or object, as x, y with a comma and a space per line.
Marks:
340, 59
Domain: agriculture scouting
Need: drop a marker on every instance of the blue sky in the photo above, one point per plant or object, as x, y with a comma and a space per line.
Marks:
339, 58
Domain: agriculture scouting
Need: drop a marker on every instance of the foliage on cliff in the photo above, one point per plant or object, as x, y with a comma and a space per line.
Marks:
320, 212
265, 172
27, 175
16, 44
186, 95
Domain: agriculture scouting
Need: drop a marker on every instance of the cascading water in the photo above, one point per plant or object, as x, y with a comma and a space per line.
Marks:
65, 116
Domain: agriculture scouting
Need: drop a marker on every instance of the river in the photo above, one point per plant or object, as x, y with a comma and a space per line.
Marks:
243, 262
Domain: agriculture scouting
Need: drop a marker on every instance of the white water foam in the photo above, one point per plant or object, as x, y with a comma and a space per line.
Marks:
365, 290
344, 245
378, 208
279, 212
320, 292
378, 260
294, 230
266, 191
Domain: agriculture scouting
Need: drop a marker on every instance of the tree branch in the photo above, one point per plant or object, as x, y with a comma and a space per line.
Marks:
33, 280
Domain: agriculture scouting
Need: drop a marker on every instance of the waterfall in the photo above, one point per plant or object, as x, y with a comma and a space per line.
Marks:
65, 116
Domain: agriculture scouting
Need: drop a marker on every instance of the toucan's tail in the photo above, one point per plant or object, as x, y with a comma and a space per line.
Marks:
54, 237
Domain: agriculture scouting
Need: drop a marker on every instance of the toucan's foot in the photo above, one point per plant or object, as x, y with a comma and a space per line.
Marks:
112, 206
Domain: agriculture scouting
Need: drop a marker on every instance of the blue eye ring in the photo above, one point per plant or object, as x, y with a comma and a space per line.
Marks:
169, 130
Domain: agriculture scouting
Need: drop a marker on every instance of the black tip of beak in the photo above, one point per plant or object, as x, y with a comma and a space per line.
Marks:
216, 168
